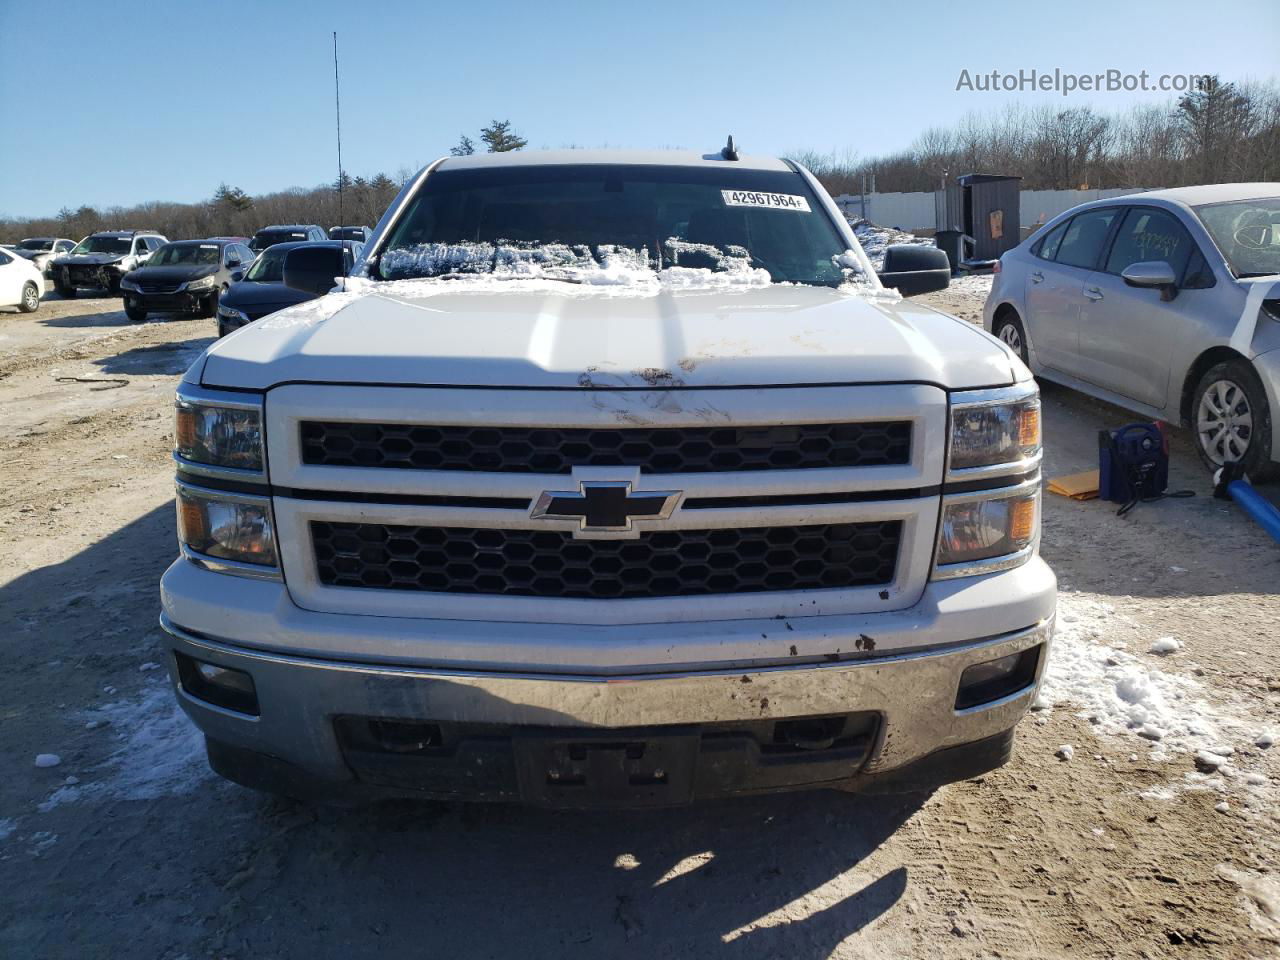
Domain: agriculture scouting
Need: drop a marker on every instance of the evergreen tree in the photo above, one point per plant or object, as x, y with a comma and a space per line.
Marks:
464, 148
1214, 118
500, 138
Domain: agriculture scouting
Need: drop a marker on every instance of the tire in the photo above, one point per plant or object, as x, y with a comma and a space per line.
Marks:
66, 291
136, 314
30, 298
209, 308
1008, 329
1231, 419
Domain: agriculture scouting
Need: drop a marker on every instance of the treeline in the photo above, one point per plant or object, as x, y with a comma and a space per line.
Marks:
1223, 133
229, 213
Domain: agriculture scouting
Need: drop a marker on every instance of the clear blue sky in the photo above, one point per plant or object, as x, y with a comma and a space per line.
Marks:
117, 103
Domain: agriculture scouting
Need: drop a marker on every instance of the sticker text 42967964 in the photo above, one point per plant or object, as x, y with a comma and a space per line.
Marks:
772, 201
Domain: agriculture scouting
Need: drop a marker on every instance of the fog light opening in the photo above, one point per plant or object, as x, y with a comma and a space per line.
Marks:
993, 680
217, 685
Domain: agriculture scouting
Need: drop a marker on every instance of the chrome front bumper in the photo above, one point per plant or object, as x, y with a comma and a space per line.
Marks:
914, 694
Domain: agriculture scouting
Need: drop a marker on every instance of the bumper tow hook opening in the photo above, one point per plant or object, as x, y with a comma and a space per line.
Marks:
810, 733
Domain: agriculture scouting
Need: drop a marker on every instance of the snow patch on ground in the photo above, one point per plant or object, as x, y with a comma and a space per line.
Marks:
1123, 694
159, 752
875, 238
7, 826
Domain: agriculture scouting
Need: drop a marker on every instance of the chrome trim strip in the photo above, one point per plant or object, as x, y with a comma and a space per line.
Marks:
975, 568
253, 571
1012, 468
219, 473
996, 493
208, 493
190, 394
964, 399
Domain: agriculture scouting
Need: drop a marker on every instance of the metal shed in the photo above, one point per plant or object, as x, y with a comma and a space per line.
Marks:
983, 209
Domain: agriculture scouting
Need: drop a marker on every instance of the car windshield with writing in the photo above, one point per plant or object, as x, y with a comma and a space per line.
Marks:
185, 254
1248, 234
268, 238
559, 221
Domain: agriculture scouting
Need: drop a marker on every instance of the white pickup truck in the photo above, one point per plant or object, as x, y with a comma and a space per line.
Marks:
608, 479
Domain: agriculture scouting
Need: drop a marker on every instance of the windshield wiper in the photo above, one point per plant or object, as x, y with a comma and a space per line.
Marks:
1263, 273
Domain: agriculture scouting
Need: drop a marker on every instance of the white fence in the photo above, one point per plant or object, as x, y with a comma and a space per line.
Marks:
915, 211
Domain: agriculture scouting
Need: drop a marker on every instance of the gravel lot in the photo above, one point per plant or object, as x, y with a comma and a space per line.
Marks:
128, 847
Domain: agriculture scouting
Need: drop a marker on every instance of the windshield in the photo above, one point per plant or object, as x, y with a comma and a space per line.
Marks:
268, 267
346, 233
185, 254
118, 245
266, 238
593, 215
1248, 234
35, 245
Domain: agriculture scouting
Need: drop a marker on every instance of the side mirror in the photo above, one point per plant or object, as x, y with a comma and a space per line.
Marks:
1152, 274
233, 262
237, 276
912, 269
313, 269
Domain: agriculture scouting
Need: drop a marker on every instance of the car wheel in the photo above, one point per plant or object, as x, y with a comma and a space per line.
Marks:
1232, 420
136, 314
209, 308
30, 298
1008, 328
65, 290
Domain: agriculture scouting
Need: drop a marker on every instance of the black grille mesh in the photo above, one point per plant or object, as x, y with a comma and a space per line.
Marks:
653, 449
550, 563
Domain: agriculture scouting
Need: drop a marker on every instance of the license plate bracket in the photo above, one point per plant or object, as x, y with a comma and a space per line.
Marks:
614, 768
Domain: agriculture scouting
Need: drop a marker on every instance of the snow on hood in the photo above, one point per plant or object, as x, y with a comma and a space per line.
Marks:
680, 327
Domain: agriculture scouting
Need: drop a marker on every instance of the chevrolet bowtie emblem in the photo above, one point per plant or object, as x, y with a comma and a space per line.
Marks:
605, 507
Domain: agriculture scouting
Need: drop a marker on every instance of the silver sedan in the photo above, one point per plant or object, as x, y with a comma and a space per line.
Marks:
1167, 303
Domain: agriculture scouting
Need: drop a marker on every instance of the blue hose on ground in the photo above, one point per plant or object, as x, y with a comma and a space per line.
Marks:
1231, 483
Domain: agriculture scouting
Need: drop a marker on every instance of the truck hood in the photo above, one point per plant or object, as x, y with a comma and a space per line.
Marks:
89, 259
553, 335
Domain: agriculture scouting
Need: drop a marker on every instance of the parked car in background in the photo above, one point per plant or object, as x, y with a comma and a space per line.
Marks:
101, 259
285, 233
360, 234
188, 276
262, 291
245, 240
21, 284
1165, 303
41, 251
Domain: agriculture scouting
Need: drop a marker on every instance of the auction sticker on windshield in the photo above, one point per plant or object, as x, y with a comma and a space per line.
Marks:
773, 201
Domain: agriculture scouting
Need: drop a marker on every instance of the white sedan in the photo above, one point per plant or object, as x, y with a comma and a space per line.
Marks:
21, 284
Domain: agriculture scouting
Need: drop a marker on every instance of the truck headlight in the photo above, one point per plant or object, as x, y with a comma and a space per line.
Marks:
223, 433
219, 530
204, 283
988, 531
994, 428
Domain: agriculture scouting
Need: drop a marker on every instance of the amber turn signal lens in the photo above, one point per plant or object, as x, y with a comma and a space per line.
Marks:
1029, 426
1022, 521
184, 428
191, 522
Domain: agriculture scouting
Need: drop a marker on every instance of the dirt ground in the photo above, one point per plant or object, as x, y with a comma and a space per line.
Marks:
128, 847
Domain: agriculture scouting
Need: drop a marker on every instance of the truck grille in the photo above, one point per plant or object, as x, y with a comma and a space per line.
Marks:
551, 563
158, 287
653, 449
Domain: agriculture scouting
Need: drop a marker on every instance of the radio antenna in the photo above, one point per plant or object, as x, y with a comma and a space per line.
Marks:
337, 111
